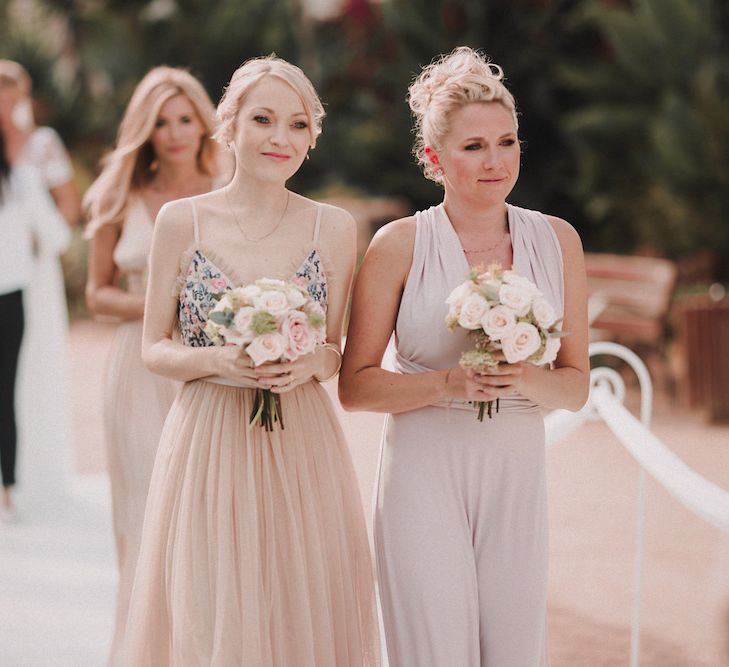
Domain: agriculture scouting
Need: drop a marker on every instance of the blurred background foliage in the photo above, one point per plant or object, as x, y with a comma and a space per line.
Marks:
625, 105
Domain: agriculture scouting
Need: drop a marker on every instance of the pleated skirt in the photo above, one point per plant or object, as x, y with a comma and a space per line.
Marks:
254, 547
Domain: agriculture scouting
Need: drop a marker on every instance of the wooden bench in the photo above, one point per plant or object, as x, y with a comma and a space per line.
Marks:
629, 298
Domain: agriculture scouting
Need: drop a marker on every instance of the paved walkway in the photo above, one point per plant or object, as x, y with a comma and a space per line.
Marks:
57, 567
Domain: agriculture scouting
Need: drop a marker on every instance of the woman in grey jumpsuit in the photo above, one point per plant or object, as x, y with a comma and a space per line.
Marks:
461, 515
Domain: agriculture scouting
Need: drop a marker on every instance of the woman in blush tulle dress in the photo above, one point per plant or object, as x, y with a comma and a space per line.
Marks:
461, 517
254, 550
164, 152
44, 410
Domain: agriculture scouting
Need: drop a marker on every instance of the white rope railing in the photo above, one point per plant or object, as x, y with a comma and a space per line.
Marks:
607, 392
702, 497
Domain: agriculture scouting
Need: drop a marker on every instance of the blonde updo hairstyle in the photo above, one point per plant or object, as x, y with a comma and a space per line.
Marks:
449, 83
130, 165
248, 75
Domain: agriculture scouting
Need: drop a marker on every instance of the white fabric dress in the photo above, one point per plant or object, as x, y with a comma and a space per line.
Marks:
44, 409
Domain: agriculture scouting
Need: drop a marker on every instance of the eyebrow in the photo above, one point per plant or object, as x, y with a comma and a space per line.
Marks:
506, 134
271, 111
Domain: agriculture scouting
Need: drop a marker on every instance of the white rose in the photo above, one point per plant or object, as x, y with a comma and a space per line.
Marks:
272, 301
516, 297
249, 293
511, 278
543, 313
242, 323
498, 322
232, 337
268, 347
459, 294
551, 347
523, 342
295, 297
473, 309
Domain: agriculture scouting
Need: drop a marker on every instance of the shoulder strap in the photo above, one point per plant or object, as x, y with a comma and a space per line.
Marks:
317, 224
195, 226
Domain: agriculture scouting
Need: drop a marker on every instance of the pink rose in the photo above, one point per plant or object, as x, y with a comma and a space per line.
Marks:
473, 308
498, 322
523, 342
268, 347
218, 283
298, 336
242, 323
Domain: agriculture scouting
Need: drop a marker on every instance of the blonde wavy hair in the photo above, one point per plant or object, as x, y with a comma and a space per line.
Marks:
247, 76
450, 82
128, 166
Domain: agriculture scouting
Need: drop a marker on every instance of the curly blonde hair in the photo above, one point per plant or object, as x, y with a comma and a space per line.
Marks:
450, 82
249, 74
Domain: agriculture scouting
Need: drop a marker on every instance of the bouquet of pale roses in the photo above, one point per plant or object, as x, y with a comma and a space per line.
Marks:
274, 320
503, 312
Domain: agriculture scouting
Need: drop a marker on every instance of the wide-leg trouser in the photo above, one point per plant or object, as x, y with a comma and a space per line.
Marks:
461, 539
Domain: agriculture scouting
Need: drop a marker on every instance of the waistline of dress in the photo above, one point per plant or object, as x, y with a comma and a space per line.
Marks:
227, 382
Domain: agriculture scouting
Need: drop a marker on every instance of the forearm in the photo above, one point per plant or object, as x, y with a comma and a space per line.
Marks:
115, 302
181, 362
374, 389
560, 388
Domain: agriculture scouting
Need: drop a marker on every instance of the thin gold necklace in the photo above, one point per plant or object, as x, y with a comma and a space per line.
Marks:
493, 247
267, 234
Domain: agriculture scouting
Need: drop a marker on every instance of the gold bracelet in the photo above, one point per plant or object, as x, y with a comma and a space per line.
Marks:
335, 348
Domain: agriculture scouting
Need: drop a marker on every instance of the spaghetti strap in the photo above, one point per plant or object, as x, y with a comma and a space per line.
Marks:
317, 224
195, 226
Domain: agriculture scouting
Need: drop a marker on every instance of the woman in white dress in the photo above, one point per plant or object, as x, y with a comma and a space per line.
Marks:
44, 417
28, 218
164, 152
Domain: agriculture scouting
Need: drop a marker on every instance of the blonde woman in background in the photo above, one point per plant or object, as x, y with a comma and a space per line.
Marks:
461, 515
164, 151
44, 413
254, 549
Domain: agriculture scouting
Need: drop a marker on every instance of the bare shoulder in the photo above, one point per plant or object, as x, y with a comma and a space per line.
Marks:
396, 237
567, 235
174, 222
336, 222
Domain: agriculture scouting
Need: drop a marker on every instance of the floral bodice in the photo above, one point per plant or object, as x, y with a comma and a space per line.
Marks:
204, 279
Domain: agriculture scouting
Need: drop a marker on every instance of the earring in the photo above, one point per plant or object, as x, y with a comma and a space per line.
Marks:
153, 166
307, 155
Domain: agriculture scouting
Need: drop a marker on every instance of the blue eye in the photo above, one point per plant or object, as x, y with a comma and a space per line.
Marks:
263, 120
301, 124
472, 147
508, 142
